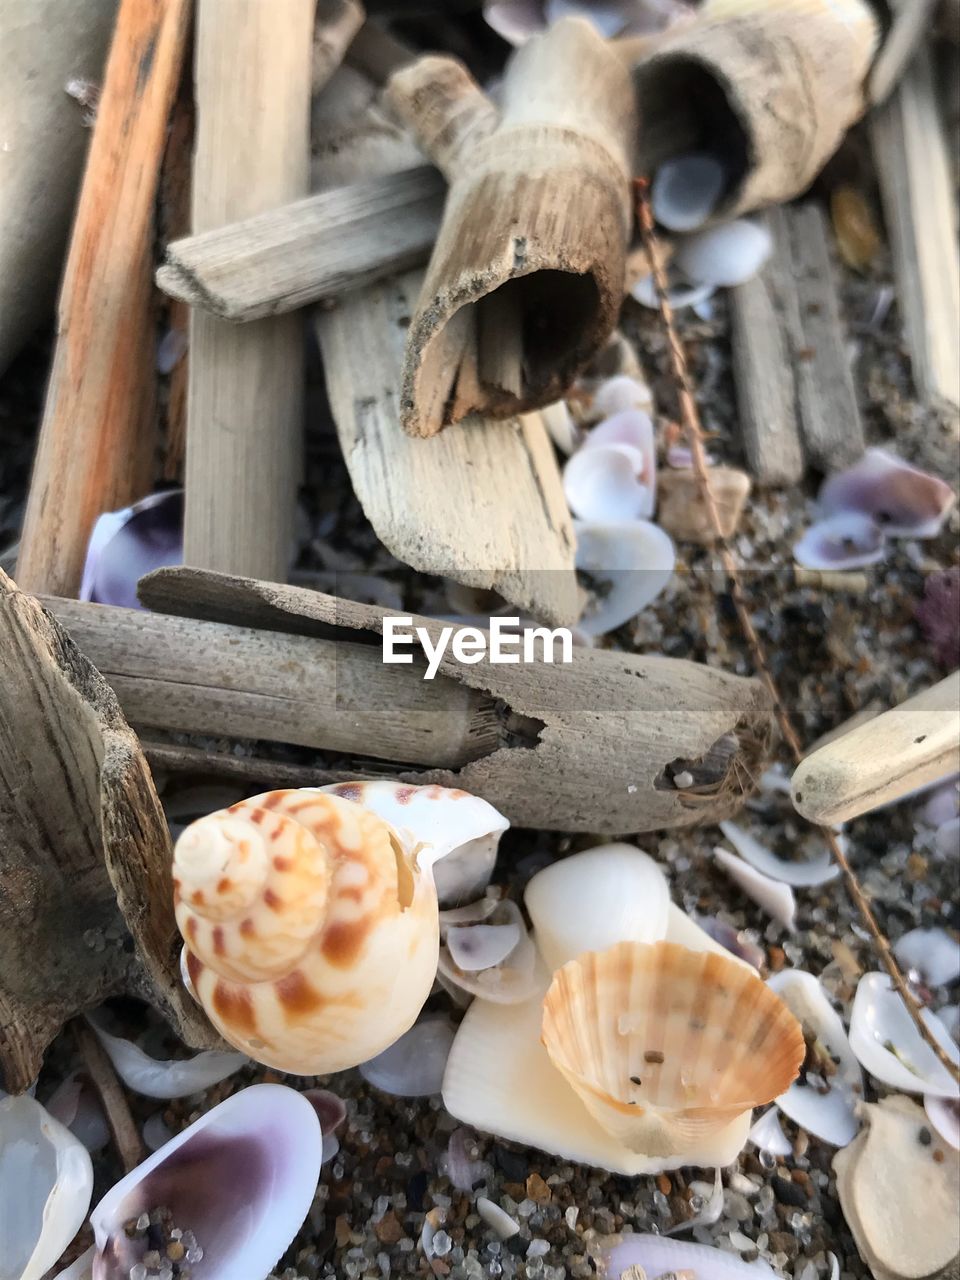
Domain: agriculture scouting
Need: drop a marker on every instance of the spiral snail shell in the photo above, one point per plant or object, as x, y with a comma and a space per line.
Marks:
310, 921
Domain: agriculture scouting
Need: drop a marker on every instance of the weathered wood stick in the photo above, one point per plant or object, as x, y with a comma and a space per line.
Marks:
790, 361
911, 25
317, 248
245, 399
377, 53
612, 770
84, 849
484, 506
913, 165
253, 773
885, 758
175, 222
335, 25
538, 209
770, 89
95, 451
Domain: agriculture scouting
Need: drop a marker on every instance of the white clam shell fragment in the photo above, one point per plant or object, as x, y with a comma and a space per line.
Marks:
241, 1179
413, 1066
848, 541
505, 978
679, 293
172, 1078
889, 1046
775, 897
608, 482
310, 917
481, 946
561, 428
767, 1134
632, 428
660, 1256
75, 1103
932, 953
903, 500
627, 564
726, 255
827, 1105
687, 189
944, 1115
46, 1180
800, 874
620, 394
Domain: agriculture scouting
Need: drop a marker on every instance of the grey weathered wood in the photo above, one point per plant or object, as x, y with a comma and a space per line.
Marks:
762, 369
553, 765
795, 389
913, 165
84, 849
245, 397
336, 24
313, 249
911, 25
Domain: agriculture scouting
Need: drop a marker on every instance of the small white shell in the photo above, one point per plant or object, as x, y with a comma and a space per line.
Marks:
932, 953
629, 562
589, 901
660, 1256
46, 1180
767, 1134
799, 874
830, 1115
880, 1019
481, 946
241, 1178
687, 189
509, 981
75, 1103
413, 1066
944, 1115
723, 256
619, 395
496, 1218
776, 898
608, 482
679, 293
903, 500
561, 428
174, 1078
848, 541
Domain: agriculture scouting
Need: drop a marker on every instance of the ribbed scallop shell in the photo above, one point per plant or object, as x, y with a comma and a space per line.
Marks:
667, 1045
311, 932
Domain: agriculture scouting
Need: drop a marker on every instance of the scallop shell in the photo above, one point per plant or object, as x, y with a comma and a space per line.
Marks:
311, 923
666, 1045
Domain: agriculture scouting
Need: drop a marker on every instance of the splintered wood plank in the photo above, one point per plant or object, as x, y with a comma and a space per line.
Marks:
97, 437
245, 396
913, 164
310, 250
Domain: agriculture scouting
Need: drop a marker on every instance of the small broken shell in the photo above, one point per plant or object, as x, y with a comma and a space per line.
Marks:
628, 564
889, 1046
658, 1256
776, 898
944, 1115
506, 978
561, 428
827, 1109
800, 874
686, 190
932, 953
608, 482
413, 1066
680, 293
125, 545
846, 541
172, 1078
661, 1073
240, 1179
726, 255
311, 923
620, 394
46, 1180
589, 901
902, 500
767, 1134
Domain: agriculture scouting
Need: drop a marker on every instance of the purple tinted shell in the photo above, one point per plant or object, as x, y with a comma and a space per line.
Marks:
939, 615
124, 545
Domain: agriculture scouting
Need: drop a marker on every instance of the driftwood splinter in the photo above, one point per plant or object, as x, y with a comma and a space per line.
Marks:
525, 282
84, 849
306, 668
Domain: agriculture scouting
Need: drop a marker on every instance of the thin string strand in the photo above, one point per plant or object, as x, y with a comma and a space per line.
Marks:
690, 419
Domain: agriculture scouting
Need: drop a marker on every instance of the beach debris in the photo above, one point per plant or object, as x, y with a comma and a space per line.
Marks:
775, 897
901, 499
413, 1065
46, 1181
617, 1046
496, 1218
661, 1256
939, 615
682, 512
686, 190
495, 960
726, 255
76, 1104
311, 921
825, 1099
518, 20
737, 941
932, 954
157, 1078
230, 1192
768, 1137
898, 1188
124, 545
855, 227
707, 1202
626, 564
800, 874
609, 482
680, 292
847, 541
889, 1046
460, 1162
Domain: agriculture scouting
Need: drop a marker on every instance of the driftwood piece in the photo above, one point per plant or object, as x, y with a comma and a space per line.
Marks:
883, 759
314, 249
589, 746
47, 45
84, 849
175, 222
769, 88
377, 53
791, 368
335, 25
913, 165
485, 505
245, 398
97, 437
535, 227
911, 24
